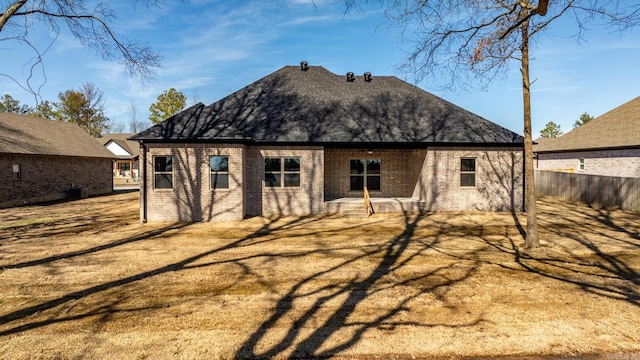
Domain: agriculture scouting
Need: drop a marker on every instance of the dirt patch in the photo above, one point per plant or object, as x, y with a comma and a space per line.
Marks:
85, 279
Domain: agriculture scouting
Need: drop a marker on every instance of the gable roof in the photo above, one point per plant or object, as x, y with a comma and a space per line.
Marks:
21, 134
132, 147
618, 128
317, 106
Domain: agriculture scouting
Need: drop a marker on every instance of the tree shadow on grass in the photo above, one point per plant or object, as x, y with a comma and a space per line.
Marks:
583, 254
314, 333
184, 264
72, 254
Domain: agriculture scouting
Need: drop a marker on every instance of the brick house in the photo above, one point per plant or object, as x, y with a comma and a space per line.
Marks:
127, 153
608, 145
43, 160
303, 140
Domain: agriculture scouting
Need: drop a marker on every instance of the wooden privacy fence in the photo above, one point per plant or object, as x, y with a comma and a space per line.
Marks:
591, 189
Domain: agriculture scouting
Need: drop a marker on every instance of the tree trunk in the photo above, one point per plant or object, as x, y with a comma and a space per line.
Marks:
531, 239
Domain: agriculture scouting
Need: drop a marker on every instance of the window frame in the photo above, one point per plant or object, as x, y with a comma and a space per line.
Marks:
365, 174
165, 172
581, 166
217, 172
282, 172
17, 172
469, 172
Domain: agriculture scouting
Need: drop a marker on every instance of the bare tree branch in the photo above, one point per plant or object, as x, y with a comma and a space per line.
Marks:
92, 27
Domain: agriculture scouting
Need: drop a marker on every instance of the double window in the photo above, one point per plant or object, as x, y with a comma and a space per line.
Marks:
282, 172
468, 172
163, 172
219, 172
365, 173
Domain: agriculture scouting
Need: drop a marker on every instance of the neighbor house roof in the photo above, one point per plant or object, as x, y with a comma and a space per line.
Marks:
618, 128
132, 147
293, 105
21, 134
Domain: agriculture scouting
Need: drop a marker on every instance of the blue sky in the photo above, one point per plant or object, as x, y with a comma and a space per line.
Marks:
211, 48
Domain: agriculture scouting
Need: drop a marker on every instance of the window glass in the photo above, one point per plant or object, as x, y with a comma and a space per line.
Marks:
468, 172
219, 181
467, 179
272, 179
468, 164
219, 163
357, 166
163, 177
365, 173
282, 172
219, 172
291, 164
292, 180
373, 167
163, 163
272, 164
373, 183
357, 183
163, 181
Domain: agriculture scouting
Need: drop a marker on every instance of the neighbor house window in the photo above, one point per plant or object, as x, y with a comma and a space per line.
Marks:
364, 173
467, 172
581, 164
163, 172
17, 175
219, 172
282, 172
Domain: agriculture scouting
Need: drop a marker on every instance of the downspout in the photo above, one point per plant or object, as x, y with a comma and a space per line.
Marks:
524, 180
143, 188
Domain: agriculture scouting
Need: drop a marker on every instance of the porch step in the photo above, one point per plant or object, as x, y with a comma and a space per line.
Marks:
354, 211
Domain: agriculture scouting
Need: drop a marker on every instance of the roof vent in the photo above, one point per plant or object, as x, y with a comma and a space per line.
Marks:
350, 77
367, 76
304, 66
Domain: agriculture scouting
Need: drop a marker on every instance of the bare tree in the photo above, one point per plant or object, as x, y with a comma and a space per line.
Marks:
135, 124
89, 22
458, 39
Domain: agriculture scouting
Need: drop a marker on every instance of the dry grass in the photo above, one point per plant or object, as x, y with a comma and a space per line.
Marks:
84, 279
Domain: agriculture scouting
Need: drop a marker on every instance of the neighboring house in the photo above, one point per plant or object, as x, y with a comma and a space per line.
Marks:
125, 167
303, 140
608, 145
43, 160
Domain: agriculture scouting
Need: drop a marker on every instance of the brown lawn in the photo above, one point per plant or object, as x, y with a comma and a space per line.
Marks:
85, 279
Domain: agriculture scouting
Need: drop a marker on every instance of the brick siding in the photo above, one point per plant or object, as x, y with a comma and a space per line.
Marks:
303, 200
621, 163
499, 180
430, 176
191, 198
46, 178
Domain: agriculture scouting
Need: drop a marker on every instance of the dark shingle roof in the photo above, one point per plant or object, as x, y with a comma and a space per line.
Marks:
317, 106
129, 146
20, 134
619, 127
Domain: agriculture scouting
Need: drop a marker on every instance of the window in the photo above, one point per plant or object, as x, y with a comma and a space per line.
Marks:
581, 164
219, 172
467, 172
365, 173
124, 169
163, 172
16, 172
282, 172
